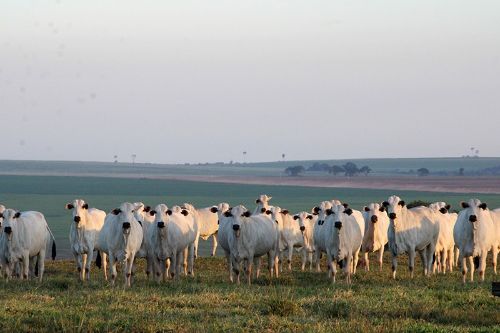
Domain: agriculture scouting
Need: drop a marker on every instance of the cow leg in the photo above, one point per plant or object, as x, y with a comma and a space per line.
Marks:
482, 265
129, 263
196, 242
84, 265
495, 258
257, 263
270, 264
317, 259
214, 244
79, 266
229, 265
185, 257
472, 268
104, 258
90, 257
380, 258
41, 264
348, 268
463, 264
304, 258
367, 261
173, 266
411, 261
191, 260
430, 250
150, 266
457, 256
26, 263
444, 260
423, 257
310, 259
394, 265
249, 271
112, 268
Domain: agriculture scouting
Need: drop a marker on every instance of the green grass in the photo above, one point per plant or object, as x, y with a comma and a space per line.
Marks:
297, 301
49, 195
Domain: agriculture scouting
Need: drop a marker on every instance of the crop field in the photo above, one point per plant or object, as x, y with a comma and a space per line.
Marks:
50, 194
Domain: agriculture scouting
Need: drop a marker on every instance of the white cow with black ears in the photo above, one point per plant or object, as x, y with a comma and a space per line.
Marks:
121, 239
83, 235
376, 232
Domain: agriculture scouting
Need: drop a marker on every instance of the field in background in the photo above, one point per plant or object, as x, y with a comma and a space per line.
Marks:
296, 302
49, 195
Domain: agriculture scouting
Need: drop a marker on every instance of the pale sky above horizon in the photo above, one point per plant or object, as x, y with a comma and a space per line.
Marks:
203, 81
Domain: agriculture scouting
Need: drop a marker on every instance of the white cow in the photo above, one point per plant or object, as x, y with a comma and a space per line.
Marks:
208, 224
121, 239
24, 240
477, 232
252, 237
343, 231
225, 234
146, 220
83, 234
173, 238
290, 234
410, 231
262, 204
444, 253
306, 227
376, 228
318, 237
2, 209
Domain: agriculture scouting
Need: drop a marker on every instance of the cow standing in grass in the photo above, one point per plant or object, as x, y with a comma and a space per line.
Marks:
476, 233
343, 230
23, 241
208, 225
411, 231
445, 246
173, 238
375, 237
121, 239
83, 234
146, 220
253, 237
225, 235
306, 226
318, 236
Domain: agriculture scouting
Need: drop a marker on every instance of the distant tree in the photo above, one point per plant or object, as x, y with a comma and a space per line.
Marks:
319, 167
295, 170
423, 172
366, 170
418, 203
350, 169
335, 169
461, 171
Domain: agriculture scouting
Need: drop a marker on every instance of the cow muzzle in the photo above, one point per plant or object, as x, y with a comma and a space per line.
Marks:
161, 224
7, 230
126, 225
392, 216
77, 219
473, 218
374, 219
338, 225
302, 228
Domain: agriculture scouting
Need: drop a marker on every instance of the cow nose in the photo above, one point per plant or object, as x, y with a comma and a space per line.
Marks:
236, 227
302, 228
77, 219
126, 225
161, 224
7, 230
338, 225
473, 218
374, 219
392, 216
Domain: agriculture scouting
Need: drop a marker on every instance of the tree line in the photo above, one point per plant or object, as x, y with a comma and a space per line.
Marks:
349, 169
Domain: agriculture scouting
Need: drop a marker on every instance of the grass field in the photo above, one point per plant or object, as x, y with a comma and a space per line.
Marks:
297, 302
49, 195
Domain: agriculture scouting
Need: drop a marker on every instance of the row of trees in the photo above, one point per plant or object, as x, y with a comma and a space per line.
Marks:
349, 169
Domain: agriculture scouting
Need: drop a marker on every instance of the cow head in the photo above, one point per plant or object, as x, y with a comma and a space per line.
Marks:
262, 203
10, 224
395, 207
323, 210
2, 209
79, 210
276, 215
376, 222
477, 222
126, 217
239, 214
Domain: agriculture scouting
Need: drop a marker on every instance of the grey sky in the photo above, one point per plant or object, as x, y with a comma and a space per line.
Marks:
196, 81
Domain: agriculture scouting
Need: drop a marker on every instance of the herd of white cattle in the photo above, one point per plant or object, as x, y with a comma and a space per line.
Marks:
168, 238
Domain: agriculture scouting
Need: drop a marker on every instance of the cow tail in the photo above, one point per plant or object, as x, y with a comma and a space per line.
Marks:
54, 248
36, 267
476, 262
98, 260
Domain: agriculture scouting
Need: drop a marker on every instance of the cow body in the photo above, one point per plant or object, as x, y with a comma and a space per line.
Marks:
306, 226
411, 231
83, 235
121, 239
376, 229
146, 220
444, 252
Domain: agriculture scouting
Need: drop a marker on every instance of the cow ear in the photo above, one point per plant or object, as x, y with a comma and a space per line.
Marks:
448, 207
366, 209
147, 209
382, 209
464, 204
184, 212
316, 209
214, 209
443, 210
329, 211
345, 205
17, 215
295, 217
152, 212
169, 212
228, 213
246, 214
263, 210
85, 206
348, 211
257, 201
285, 212
385, 204
402, 203
69, 206
116, 211
268, 212
309, 217
483, 206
